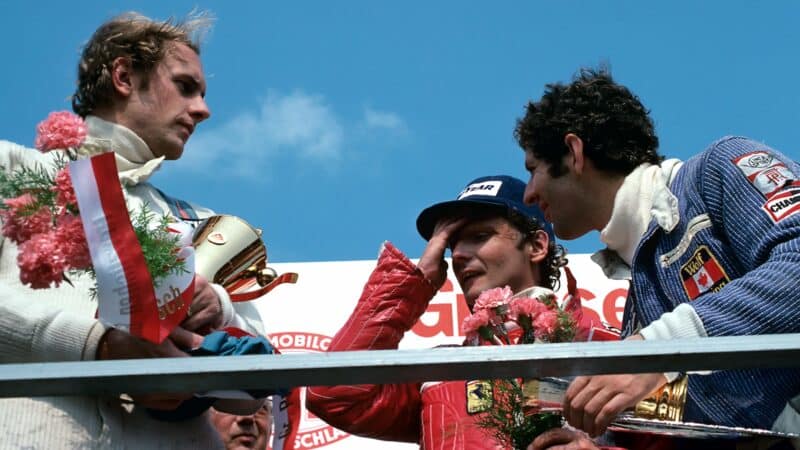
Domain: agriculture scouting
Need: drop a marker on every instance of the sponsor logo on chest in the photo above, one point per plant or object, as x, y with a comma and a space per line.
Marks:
703, 273
479, 396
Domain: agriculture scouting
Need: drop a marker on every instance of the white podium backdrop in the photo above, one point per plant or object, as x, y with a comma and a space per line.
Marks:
304, 317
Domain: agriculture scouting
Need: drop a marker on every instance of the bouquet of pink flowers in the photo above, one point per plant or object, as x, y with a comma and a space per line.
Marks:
40, 212
499, 317
502, 318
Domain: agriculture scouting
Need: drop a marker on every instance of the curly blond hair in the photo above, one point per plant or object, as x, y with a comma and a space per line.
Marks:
130, 35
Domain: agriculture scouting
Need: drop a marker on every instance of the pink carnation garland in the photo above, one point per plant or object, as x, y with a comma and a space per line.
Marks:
492, 298
61, 130
47, 227
496, 311
501, 318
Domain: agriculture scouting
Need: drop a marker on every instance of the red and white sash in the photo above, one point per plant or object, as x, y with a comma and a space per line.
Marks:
286, 416
126, 295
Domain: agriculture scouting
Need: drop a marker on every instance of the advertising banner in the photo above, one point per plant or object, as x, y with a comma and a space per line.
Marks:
305, 316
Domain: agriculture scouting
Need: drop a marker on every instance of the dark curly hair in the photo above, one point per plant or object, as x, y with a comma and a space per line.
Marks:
134, 36
616, 129
556, 254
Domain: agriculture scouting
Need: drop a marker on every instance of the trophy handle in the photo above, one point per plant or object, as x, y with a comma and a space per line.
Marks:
288, 277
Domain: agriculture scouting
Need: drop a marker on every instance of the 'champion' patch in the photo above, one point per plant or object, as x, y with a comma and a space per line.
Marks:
784, 203
479, 396
703, 273
765, 172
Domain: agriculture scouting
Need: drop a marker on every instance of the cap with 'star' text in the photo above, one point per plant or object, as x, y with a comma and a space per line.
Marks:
499, 192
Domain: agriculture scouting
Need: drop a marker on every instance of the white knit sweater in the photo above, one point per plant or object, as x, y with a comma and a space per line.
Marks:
59, 325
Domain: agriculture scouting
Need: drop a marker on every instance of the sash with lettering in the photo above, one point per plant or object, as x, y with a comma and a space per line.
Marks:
126, 295
286, 415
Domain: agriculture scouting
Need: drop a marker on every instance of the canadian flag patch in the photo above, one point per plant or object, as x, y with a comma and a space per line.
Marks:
703, 273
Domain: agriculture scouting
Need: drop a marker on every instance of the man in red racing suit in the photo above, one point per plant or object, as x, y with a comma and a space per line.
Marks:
495, 240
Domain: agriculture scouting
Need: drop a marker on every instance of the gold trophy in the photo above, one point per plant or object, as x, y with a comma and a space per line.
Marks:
230, 252
665, 403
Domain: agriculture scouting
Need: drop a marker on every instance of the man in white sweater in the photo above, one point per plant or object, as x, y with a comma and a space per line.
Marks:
141, 90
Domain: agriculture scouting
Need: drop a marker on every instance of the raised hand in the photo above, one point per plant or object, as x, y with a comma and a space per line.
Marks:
432, 263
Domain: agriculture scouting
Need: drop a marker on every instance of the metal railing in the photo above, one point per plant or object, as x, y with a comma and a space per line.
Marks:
200, 374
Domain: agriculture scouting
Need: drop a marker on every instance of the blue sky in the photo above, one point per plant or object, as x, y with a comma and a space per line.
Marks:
335, 123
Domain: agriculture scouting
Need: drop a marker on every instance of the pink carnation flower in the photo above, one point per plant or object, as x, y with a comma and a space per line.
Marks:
474, 322
71, 242
40, 262
525, 306
65, 194
544, 325
20, 222
21, 203
492, 298
61, 129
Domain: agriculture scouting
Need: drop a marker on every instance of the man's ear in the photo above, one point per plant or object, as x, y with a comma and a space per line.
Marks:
575, 146
539, 243
122, 76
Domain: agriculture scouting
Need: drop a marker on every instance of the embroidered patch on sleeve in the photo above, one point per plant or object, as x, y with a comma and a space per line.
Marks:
765, 172
479, 396
703, 273
784, 204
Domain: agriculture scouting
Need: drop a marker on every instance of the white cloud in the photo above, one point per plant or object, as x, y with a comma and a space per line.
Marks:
383, 119
298, 126
304, 122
